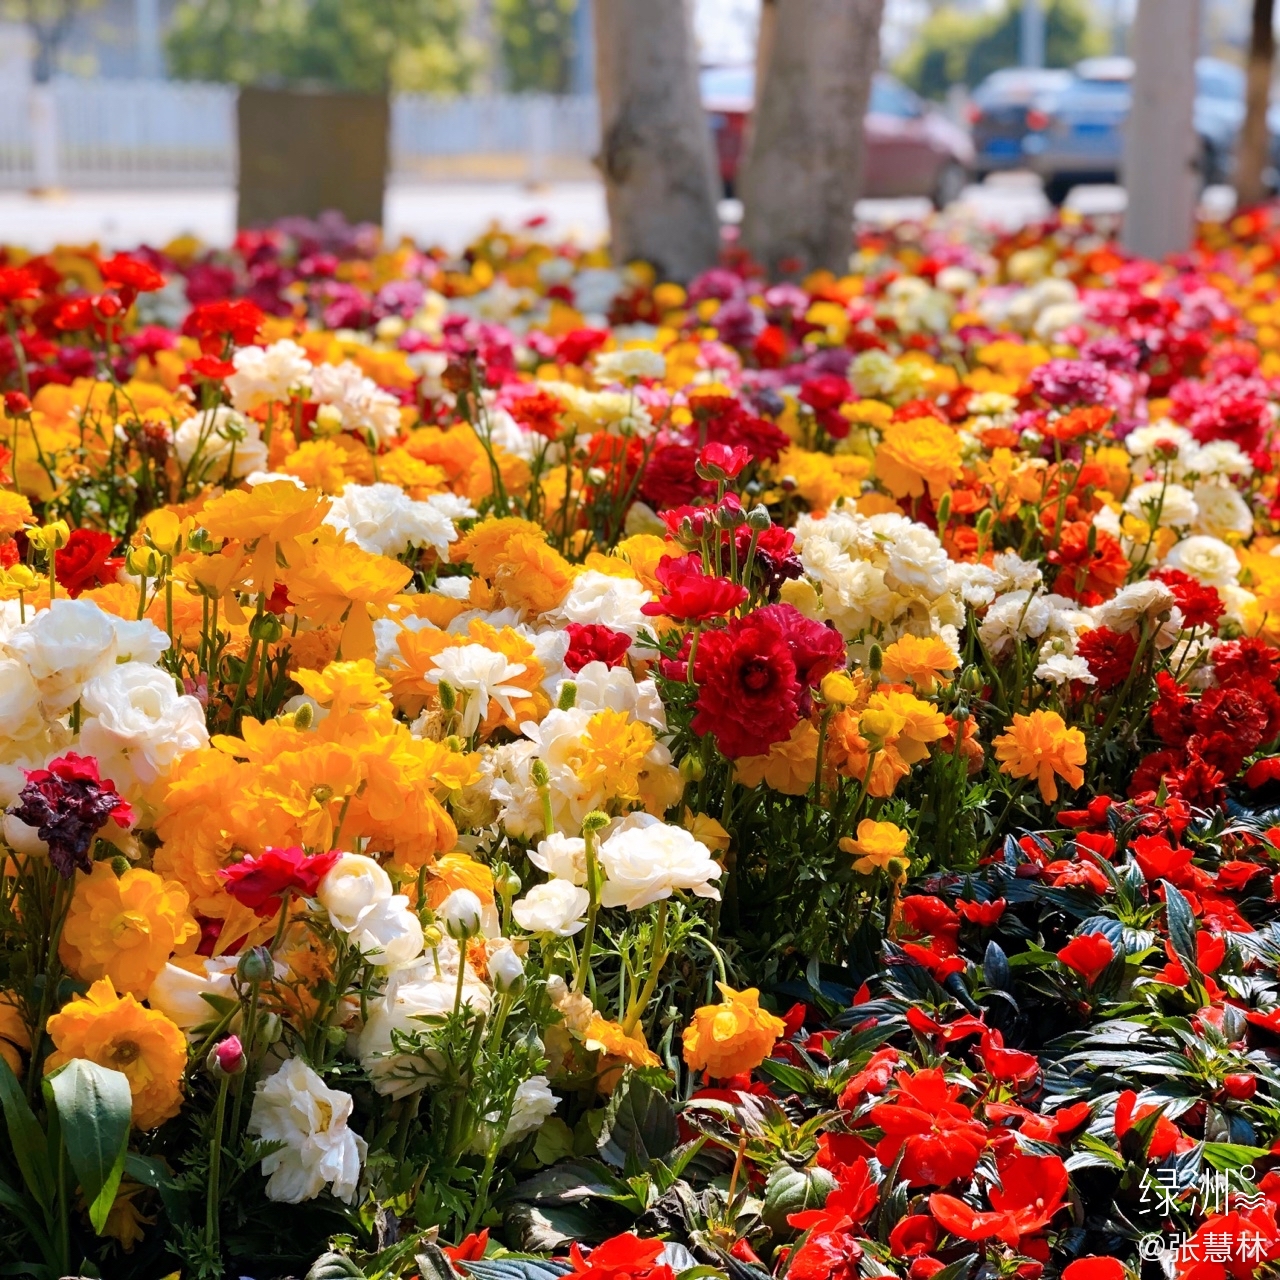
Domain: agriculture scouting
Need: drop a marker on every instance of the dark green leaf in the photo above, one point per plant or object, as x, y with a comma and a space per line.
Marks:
639, 1125
27, 1139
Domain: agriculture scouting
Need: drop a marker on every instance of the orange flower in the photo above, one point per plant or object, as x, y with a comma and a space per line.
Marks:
15, 1040
916, 454
727, 1039
116, 1031
925, 661
1041, 746
125, 927
270, 517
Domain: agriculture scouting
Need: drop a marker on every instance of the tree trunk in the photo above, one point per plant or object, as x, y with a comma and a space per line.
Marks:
1255, 138
804, 168
1161, 161
656, 153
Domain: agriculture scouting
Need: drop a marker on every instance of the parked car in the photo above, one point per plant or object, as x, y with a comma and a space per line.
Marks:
1003, 109
912, 149
1076, 133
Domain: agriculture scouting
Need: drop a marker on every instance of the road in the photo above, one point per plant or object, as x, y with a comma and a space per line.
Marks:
450, 215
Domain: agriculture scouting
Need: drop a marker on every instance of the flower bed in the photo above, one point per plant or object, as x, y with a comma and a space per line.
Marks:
513, 768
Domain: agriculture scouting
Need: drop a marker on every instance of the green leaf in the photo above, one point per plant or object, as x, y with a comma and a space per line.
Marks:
515, 1268
334, 1266
639, 1125
28, 1140
1230, 1155
94, 1106
1182, 929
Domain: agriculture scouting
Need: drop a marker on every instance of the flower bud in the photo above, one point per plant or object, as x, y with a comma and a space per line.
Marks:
226, 1058
336, 1036
270, 1028
984, 521
120, 864
595, 821
729, 517
432, 937
692, 769
52, 537
506, 972
304, 717
255, 965
944, 509
568, 696
143, 562
839, 689
16, 405
266, 629
460, 914
328, 420
1241, 1086
759, 519
507, 884
971, 680
875, 658
540, 774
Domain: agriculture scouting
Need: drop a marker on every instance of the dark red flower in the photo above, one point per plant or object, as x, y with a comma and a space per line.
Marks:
68, 804
816, 649
1201, 606
594, 642
214, 324
1109, 655
260, 882
1235, 712
1173, 715
1070, 382
1246, 661
670, 478
86, 561
748, 690
689, 595
1088, 954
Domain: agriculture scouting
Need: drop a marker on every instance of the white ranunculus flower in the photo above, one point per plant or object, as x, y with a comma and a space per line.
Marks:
264, 374
1144, 441
364, 407
1132, 603
506, 969
413, 998
1170, 505
138, 641
179, 987
20, 711
351, 889
534, 1103
1059, 668
602, 688
609, 601
917, 563
390, 934
65, 646
295, 1107
647, 862
1219, 458
218, 439
383, 520
557, 907
623, 366
562, 857
1222, 511
1208, 560
481, 675
138, 724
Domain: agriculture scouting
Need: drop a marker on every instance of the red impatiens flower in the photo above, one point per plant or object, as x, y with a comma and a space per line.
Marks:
831, 1249
1109, 654
748, 691
938, 1136
689, 595
1088, 954
1159, 860
1032, 1189
1166, 1137
1007, 1066
69, 803
261, 882
873, 1078
594, 642
625, 1257
86, 561
1235, 1244
1096, 1268
470, 1249
983, 914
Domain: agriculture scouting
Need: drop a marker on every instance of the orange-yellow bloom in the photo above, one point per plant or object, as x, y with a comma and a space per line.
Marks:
918, 454
727, 1039
116, 1031
1043, 747
125, 927
923, 660
877, 844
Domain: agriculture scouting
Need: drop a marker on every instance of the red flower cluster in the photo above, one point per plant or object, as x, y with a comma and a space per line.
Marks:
263, 882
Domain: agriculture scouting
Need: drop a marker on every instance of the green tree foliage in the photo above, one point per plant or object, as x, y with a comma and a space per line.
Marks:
964, 48
538, 44
365, 46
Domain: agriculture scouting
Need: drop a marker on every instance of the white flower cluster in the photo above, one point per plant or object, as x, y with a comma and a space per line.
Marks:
362, 406
384, 520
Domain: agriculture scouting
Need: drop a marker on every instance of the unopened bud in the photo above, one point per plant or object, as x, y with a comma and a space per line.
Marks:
255, 965
507, 883
875, 658
692, 769
143, 562
432, 937
759, 519
120, 864
984, 521
265, 629
506, 972
944, 509
460, 914
226, 1058
540, 774
568, 696
595, 821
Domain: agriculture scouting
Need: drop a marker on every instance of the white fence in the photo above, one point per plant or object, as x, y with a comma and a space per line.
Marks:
129, 134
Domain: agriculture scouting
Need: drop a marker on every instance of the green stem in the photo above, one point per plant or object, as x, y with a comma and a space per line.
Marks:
658, 958
593, 910
215, 1168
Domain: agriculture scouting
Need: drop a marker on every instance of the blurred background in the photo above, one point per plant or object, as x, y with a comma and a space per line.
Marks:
118, 118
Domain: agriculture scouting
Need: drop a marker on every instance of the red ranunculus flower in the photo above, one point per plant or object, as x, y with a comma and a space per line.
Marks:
670, 478
1201, 606
69, 803
716, 460
748, 691
1109, 655
816, 649
260, 882
86, 561
689, 595
594, 642
1088, 954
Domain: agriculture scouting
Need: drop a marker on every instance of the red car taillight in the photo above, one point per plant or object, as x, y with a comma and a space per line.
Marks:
1037, 120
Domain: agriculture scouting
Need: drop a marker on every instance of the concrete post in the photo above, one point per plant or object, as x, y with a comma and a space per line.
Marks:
1161, 158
